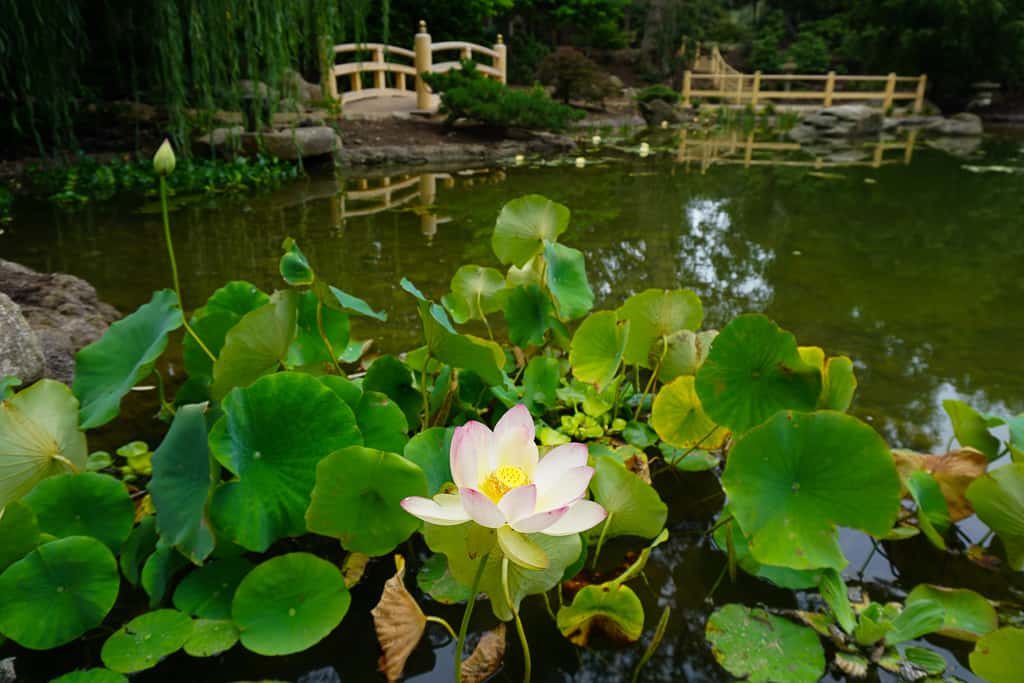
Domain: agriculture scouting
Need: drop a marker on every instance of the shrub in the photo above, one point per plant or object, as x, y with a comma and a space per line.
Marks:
658, 92
809, 52
525, 54
468, 94
575, 76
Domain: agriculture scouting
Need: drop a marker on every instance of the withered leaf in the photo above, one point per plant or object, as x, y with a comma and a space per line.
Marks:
953, 471
399, 623
486, 657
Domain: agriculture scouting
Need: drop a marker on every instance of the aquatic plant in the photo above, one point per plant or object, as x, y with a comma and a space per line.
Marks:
274, 437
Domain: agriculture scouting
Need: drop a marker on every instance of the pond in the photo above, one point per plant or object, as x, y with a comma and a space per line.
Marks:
911, 268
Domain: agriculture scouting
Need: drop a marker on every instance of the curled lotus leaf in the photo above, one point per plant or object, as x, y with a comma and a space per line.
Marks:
566, 278
968, 615
399, 623
654, 316
972, 428
611, 609
679, 419
595, 353
475, 293
486, 658
955, 472
524, 225
998, 498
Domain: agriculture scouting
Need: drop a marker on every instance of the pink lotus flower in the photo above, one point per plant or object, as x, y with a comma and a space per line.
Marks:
505, 485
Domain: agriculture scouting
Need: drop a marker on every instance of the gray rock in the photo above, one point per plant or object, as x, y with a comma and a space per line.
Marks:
963, 147
295, 143
64, 312
965, 124
7, 672
615, 82
328, 674
20, 353
298, 88
846, 120
656, 111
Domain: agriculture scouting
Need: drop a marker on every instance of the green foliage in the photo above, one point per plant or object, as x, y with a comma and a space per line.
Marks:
658, 91
574, 76
762, 647
468, 94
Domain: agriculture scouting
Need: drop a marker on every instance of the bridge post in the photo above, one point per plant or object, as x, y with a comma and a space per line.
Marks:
687, 86
890, 90
501, 61
328, 79
756, 91
922, 84
830, 88
423, 61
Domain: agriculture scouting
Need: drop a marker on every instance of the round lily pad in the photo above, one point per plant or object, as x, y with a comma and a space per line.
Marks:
655, 314
289, 603
211, 637
476, 292
679, 419
794, 479
87, 504
91, 676
523, 226
57, 592
597, 347
19, 533
761, 647
752, 371
381, 422
208, 591
357, 499
999, 656
145, 640
430, 450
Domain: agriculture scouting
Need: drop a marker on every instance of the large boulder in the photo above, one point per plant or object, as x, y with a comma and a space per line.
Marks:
845, 121
295, 87
656, 111
63, 310
965, 124
294, 143
20, 353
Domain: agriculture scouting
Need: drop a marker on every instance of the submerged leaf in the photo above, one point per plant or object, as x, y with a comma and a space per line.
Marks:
145, 640
399, 623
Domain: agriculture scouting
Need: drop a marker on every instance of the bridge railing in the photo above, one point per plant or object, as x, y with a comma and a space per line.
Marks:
396, 71
724, 82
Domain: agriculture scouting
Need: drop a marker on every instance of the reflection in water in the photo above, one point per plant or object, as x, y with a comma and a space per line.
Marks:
911, 270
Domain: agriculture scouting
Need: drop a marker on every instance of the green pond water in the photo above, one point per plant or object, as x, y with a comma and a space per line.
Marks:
914, 270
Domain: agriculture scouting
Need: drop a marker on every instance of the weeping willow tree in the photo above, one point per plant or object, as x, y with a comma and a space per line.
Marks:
189, 57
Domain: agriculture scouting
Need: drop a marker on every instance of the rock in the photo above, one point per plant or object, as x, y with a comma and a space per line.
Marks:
656, 111
846, 120
328, 674
253, 88
965, 124
221, 140
294, 143
20, 353
615, 82
64, 312
7, 672
407, 155
962, 147
298, 88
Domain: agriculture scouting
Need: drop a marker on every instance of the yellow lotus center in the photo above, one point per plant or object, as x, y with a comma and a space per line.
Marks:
502, 480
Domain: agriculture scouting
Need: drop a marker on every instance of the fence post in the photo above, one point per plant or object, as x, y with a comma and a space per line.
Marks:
757, 89
830, 88
739, 87
687, 85
890, 89
922, 83
379, 75
423, 61
501, 60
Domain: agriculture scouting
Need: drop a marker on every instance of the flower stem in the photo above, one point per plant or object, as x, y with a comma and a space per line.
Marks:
424, 395
460, 640
324, 338
174, 267
527, 664
445, 624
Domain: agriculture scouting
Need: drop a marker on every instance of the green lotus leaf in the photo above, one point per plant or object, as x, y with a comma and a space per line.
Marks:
107, 369
969, 616
529, 314
39, 438
524, 225
679, 419
475, 292
294, 267
793, 579
917, 619
391, 377
792, 480
211, 637
436, 580
351, 303
212, 323
634, 507
689, 460
87, 504
430, 450
257, 345
998, 500
357, 499
972, 428
347, 390
999, 656
833, 590
289, 604
182, 483
57, 592
840, 383
483, 357
540, 383
19, 533
145, 640
7, 386
752, 371
207, 591
139, 545
237, 297
271, 437
684, 352
566, 278
308, 348
381, 422
597, 347
932, 511
465, 544
159, 571
613, 610
1016, 425
91, 676
654, 315
761, 647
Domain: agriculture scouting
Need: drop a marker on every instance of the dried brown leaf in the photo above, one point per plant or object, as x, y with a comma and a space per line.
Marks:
353, 568
399, 623
486, 658
953, 471
638, 465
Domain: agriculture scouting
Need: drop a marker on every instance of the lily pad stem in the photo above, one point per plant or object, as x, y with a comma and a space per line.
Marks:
659, 633
600, 539
323, 336
445, 624
696, 445
460, 640
653, 379
174, 268
527, 665
423, 394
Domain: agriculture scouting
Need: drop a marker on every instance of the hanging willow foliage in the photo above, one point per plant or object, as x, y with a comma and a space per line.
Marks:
192, 57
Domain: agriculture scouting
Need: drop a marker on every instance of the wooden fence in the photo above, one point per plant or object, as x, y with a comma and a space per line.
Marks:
734, 149
721, 80
401, 78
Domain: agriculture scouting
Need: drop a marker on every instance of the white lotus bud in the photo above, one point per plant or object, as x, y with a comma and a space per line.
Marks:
163, 160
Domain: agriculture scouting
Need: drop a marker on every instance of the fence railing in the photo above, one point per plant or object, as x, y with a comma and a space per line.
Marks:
735, 149
722, 81
396, 71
